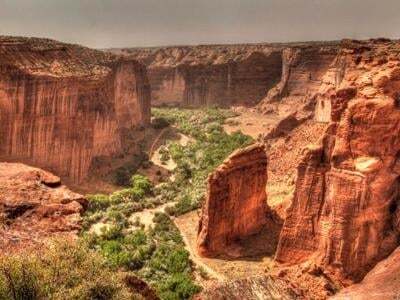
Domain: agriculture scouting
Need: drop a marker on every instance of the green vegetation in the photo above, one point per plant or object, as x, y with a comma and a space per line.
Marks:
118, 206
210, 145
157, 255
64, 270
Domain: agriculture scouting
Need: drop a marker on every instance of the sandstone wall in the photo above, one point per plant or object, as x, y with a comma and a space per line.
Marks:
344, 214
236, 202
221, 84
303, 70
62, 105
222, 75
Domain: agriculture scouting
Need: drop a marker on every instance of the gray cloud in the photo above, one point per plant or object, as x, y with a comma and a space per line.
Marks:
119, 23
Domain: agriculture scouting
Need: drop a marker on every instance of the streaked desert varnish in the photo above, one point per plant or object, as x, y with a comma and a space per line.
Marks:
344, 214
62, 105
236, 204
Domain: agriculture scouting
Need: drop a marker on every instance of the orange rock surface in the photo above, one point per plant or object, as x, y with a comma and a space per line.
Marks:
228, 75
344, 214
35, 205
236, 202
382, 282
62, 105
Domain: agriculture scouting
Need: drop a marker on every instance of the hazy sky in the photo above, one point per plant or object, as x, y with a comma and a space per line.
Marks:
119, 23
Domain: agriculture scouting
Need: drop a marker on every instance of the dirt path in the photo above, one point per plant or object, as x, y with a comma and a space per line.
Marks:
155, 156
146, 216
220, 268
251, 123
196, 258
156, 140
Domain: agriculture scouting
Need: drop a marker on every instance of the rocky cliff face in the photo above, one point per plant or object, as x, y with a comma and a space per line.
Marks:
222, 75
62, 105
236, 75
34, 205
303, 69
235, 207
344, 214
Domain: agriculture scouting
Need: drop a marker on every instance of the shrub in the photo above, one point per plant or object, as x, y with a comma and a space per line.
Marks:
19, 279
159, 123
170, 259
98, 202
141, 184
184, 205
177, 286
59, 270
122, 176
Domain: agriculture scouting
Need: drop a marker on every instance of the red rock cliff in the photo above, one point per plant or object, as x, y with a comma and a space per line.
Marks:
62, 105
303, 69
345, 214
236, 202
207, 75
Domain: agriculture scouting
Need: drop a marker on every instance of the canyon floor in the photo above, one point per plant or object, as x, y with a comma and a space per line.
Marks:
260, 248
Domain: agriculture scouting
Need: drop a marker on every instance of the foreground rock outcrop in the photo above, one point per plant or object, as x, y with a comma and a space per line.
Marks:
344, 215
382, 282
255, 287
63, 105
34, 205
235, 207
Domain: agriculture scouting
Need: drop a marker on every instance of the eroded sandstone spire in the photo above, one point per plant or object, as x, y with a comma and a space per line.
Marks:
236, 204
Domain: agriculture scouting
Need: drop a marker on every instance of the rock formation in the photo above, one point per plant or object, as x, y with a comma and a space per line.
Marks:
63, 105
303, 69
232, 75
382, 282
34, 205
344, 214
254, 287
235, 207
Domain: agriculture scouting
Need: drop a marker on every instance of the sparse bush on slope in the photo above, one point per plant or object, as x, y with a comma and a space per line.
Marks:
64, 270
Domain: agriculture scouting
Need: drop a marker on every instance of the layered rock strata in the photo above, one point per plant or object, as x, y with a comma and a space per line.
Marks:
235, 207
303, 70
63, 105
34, 205
344, 215
233, 75
222, 81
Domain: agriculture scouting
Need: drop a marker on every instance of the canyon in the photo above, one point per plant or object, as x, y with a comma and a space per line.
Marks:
320, 184
63, 105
